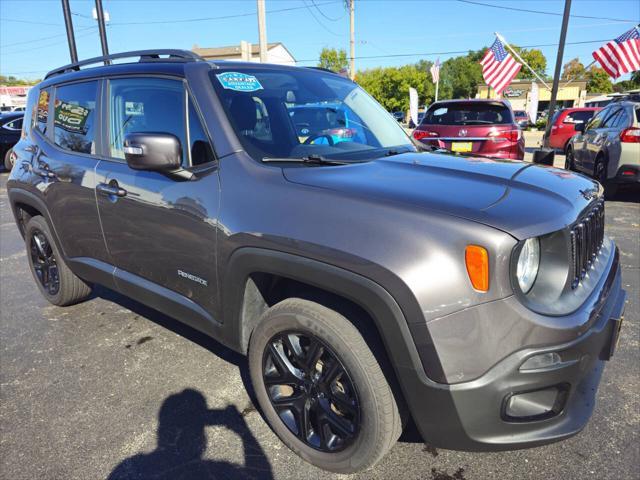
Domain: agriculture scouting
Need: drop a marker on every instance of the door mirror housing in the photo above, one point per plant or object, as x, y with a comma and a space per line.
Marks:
157, 152
579, 127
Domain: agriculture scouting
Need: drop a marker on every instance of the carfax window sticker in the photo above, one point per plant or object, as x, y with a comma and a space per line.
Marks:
240, 82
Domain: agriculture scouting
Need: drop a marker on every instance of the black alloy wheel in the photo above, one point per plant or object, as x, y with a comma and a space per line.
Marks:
44, 263
569, 162
311, 391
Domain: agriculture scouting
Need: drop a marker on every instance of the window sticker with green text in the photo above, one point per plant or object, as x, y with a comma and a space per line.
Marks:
70, 117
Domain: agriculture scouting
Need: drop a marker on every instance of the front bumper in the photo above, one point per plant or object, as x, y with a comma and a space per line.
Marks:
473, 415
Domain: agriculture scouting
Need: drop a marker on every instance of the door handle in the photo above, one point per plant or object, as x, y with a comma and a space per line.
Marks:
111, 189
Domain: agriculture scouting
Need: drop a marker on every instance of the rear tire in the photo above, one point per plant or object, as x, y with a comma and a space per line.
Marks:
600, 174
376, 426
569, 159
8, 164
56, 281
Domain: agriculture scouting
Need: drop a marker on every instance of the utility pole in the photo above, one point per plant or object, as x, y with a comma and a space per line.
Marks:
262, 31
556, 75
352, 41
103, 31
68, 23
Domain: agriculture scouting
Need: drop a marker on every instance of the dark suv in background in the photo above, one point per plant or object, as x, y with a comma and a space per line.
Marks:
472, 127
369, 283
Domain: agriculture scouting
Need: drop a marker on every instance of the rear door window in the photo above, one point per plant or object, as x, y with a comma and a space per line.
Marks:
622, 121
578, 117
597, 121
15, 125
146, 105
479, 113
74, 117
612, 119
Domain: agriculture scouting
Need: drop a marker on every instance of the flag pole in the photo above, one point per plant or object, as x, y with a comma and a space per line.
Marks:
502, 39
437, 85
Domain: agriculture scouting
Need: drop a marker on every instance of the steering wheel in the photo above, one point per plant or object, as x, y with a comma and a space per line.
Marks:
311, 138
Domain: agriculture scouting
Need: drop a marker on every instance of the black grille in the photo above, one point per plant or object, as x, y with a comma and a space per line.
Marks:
586, 240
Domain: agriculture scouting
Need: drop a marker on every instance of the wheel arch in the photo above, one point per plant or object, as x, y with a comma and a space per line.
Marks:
255, 278
26, 205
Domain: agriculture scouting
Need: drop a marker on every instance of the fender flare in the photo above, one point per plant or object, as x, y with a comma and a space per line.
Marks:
20, 195
386, 313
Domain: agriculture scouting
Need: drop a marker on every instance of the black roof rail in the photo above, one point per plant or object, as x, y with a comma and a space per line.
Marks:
144, 56
322, 69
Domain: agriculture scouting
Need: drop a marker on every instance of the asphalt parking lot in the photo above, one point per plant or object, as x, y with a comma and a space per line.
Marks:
112, 389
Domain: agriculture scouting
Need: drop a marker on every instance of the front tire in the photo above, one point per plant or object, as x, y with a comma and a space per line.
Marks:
320, 387
56, 281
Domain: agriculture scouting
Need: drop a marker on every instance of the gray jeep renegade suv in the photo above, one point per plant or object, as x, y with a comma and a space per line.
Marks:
369, 283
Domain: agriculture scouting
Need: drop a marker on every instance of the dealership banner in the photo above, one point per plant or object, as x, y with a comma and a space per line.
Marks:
20, 91
534, 96
413, 105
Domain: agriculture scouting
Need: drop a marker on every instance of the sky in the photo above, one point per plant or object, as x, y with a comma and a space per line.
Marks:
388, 33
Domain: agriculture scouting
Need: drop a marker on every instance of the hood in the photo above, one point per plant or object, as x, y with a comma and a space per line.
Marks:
517, 197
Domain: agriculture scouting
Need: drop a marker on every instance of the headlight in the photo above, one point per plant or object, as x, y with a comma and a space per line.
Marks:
528, 263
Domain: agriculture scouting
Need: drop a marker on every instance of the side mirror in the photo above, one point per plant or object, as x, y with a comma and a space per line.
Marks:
158, 152
579, 127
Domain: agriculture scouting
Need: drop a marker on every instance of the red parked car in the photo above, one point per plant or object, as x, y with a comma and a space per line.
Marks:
480, 127
563, 125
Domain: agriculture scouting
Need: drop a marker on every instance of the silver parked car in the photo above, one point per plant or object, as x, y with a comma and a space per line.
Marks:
608, 147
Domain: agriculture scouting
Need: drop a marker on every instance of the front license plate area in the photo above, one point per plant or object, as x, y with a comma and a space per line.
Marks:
462, 146
615, 335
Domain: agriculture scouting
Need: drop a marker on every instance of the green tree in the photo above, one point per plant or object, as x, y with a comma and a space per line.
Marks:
573, 70
625, 85
11, 81
535, 59
332, 59
598, 81
460, 76
390, 86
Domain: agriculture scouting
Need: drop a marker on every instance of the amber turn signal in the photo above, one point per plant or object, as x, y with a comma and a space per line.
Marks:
477, 260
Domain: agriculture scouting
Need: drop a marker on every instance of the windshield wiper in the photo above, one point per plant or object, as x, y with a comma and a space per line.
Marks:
395, 151
311, 159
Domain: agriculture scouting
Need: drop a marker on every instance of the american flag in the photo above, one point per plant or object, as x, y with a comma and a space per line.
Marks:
621, 55
435, 71
499, 67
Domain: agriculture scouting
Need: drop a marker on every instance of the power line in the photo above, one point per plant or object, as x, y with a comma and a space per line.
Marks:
503, 7
457, 52
90, 31
28, 21
206, 19
318, 20
40, 39
331, 19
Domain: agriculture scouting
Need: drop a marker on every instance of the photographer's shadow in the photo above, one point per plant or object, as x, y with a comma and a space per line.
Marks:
182, 442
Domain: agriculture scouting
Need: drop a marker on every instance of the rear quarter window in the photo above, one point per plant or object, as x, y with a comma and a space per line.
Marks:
42, 111
468, 114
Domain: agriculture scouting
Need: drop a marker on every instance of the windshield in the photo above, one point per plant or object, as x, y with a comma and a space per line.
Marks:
297, 113
472, 113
